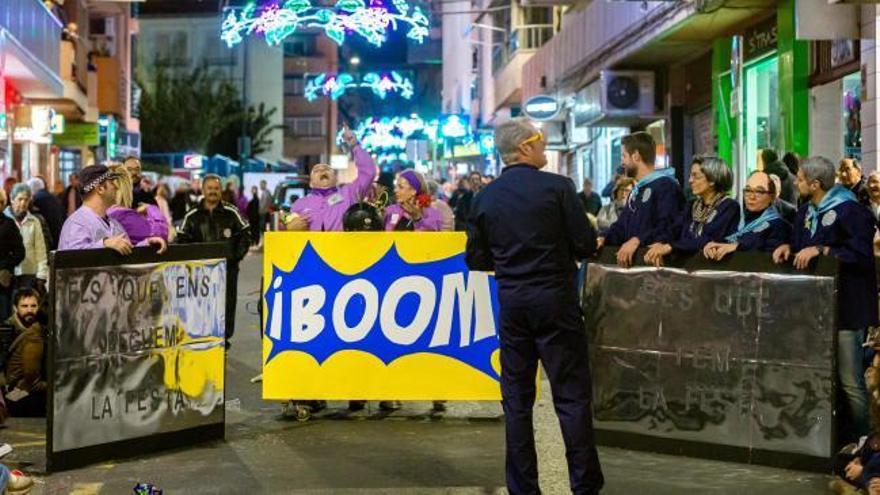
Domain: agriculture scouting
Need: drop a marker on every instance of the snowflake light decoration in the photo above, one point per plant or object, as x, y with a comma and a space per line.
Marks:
335, 86
278, 21
386, 134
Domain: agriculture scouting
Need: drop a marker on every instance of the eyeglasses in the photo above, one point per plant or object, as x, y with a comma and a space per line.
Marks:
537, 137
749, 191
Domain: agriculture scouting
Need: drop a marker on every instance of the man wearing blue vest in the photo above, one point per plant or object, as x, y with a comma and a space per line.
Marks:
834, 223
654, 205
529, 228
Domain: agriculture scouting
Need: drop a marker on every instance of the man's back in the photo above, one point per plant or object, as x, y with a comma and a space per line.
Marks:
528, 226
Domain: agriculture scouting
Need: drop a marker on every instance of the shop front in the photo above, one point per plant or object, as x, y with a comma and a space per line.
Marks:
836, 100
760, 92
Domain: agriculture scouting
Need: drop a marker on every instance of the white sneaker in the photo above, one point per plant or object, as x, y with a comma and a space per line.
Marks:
5, 450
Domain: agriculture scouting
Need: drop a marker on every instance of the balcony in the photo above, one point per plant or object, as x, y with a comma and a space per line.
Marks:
509, 58
32, 35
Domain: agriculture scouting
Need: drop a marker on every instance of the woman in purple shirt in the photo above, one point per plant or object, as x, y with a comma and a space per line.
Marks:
145, 222
413, 209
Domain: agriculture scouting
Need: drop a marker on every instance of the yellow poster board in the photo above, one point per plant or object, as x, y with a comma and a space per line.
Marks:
377, 316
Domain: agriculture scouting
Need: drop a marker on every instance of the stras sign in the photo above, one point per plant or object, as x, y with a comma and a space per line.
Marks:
541, 107
377, 316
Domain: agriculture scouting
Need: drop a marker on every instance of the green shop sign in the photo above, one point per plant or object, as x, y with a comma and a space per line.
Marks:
78, 134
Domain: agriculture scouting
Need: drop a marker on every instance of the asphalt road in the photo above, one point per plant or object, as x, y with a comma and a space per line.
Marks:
411, 451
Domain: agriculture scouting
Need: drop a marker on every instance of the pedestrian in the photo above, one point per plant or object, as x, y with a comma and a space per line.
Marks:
462, 187
786, 209
463, 205
180, 203
769, 162
761, 227
71, 198
529, 228
11, 254
611, 211
213, 220
849, 172
33, 271
322, 209
163, 195
25, 390
653, 207
145, 222
253, 214
833, 223
873, 184
139, 195
90, 227
49, 208
711, 217
590, 199
266, 204
792, 162
447, 216
412, 210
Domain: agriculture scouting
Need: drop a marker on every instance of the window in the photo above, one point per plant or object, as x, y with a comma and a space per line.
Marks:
172, 48
294, 85
216, 53
303, 45
304, 127
68, 162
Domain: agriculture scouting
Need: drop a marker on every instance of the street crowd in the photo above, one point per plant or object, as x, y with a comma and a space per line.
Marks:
796, 210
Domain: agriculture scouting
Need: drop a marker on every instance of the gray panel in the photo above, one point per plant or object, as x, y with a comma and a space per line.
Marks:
139, 350
739, 359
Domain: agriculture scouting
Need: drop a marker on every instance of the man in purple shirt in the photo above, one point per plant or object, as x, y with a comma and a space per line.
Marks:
89, 227
323, 208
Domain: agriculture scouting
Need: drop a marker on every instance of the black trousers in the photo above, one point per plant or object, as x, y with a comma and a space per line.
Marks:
554, 334
231, 297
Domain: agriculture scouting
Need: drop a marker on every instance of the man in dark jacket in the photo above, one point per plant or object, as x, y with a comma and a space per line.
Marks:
773, 166
591, 200
833, 223
139, 195
11, 254
529, 228
849, 171
49, 208
212, 220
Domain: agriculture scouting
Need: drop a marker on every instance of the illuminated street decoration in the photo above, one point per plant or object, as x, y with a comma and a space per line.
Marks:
275, 21
454, 126
386, 137
335, 86
487, 142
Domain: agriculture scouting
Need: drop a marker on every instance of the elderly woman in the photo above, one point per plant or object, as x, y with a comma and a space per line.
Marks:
413, 209
609, 213
33, 271
439, 204
712, 216
145, 222
762, 228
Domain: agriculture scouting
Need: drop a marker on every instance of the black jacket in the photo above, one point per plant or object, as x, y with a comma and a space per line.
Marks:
592, 204
11, 245
223, 223
529, 227
51, 209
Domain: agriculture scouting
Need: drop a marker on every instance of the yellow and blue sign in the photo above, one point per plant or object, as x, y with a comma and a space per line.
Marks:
377, 316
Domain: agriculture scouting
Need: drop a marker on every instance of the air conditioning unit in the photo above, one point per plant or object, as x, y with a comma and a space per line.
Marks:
619, 98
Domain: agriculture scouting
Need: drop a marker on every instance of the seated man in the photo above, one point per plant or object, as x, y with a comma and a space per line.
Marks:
761, 228
25, 390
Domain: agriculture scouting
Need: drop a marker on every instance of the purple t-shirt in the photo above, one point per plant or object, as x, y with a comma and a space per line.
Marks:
86, 230
324, 208
140, 227
431, 220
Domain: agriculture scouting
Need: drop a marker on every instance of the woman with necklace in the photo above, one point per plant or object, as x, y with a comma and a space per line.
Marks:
711, 217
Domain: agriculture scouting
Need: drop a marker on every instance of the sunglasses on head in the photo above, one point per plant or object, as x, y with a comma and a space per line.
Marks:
537, 137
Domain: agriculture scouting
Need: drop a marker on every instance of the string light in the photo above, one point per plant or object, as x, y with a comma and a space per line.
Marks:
389, 134
335, 86
275, 22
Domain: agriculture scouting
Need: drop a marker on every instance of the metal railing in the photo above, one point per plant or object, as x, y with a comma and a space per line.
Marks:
34, 28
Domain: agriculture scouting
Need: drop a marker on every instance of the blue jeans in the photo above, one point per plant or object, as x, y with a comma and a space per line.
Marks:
851, 373
4, 477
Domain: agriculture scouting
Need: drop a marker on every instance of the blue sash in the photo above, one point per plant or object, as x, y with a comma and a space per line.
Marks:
657, 174
835, 196
767, 216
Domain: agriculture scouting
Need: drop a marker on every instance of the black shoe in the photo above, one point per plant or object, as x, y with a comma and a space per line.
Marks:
439, 406
357, 405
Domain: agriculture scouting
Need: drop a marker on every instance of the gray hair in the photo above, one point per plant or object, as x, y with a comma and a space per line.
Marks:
509, 135
21, 188
821, 169
433, 187
716, 171
36, 184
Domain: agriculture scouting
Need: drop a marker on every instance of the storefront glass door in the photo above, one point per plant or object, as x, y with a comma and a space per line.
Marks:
762, 122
